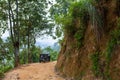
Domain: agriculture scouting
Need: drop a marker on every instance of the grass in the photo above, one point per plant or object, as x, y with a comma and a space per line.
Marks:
96, 64
79, 36
115, 35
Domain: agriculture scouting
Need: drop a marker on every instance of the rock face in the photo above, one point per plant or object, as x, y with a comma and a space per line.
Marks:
94, 60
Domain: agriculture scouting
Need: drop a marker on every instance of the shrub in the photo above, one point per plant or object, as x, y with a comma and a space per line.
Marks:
79, 36
1, 75
115, 40
96, 64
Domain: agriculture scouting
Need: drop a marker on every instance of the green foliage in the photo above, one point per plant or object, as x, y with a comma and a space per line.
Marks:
79, 10
96, 63
118, 22
115, 35
1, 74
53, 56
5, 65
108, 56
61, 7
6, 57
80, 76
59, 14
61, 42
3, 17
110, 49
34, 52
58, 32
23, 56
25, 20
79, 13
79, 36
65, 22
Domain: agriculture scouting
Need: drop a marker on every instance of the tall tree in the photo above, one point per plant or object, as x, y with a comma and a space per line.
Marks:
14, 28
3, 17
26, 20
58, 10
33, 19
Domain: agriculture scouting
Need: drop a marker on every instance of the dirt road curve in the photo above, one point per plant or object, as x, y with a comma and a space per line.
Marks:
35, 71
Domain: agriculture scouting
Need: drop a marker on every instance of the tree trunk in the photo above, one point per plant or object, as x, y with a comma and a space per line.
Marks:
28, 50
16, 32
13, 32
16, 53
29, 55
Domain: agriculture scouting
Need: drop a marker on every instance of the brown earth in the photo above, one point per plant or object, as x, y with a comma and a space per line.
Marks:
76, 62
35, 71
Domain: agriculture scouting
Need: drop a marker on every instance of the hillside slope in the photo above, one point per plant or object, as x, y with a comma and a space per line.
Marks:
92, 51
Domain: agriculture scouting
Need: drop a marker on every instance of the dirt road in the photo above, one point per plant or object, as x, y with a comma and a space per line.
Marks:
35, 71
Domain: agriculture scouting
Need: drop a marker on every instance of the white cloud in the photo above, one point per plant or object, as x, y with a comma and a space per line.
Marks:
51, 41
43, 42
5, 35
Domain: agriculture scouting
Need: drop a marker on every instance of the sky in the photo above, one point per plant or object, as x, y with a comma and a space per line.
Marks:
5, 35
43, 42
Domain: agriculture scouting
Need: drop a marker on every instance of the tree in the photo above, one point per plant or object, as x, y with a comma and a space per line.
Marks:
26, 20
6, 56
56, 10
34, 20
64, 12
3, 17
14, 28
35, 53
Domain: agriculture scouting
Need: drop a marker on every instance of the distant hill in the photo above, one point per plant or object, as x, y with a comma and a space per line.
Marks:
44, 44
55, 46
